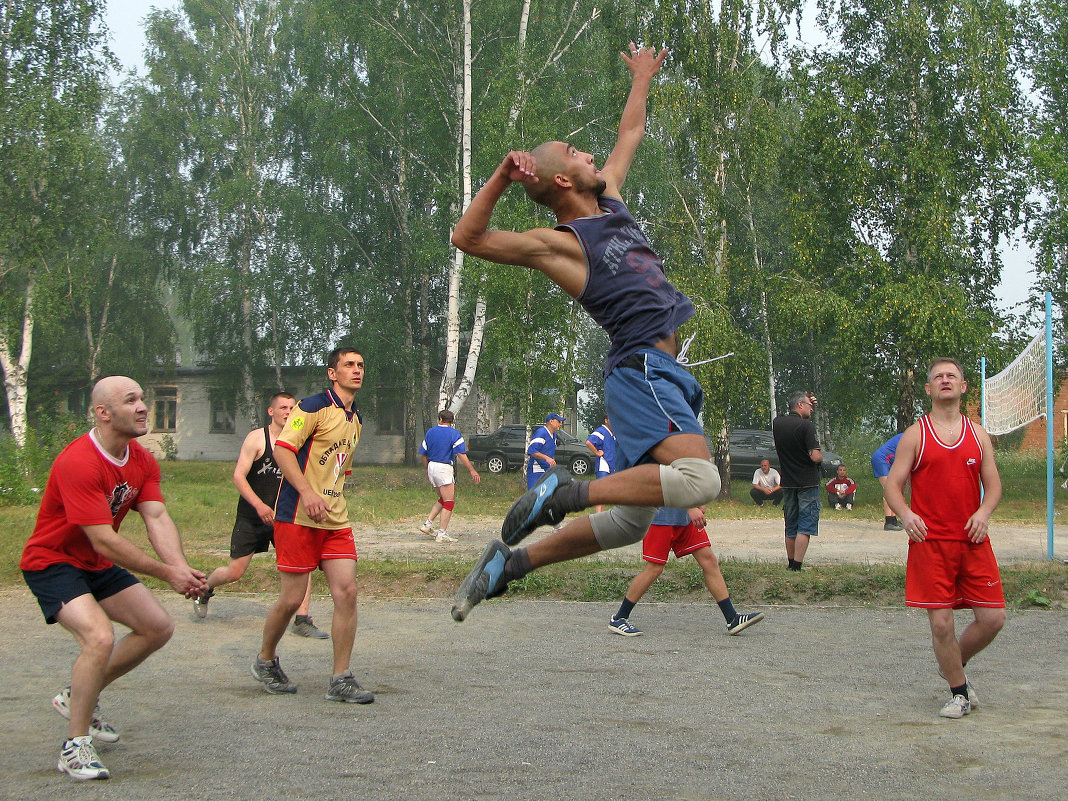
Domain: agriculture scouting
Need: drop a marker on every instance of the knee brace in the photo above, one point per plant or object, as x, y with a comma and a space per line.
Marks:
621, 525
447, 505
689, 482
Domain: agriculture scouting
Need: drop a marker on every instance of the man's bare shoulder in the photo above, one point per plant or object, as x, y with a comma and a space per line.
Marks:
253, 443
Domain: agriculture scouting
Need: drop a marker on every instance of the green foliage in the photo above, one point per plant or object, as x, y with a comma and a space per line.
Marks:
24, 471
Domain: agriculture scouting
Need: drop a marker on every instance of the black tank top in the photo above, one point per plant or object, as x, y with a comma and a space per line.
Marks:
264, 477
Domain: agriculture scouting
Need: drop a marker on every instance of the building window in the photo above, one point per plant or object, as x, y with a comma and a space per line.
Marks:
389, 412
165, 408
222, 417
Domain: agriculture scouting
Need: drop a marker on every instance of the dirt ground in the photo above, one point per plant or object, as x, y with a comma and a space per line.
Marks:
841, 540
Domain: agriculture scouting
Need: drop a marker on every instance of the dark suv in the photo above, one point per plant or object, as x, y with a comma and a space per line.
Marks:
506, 447
750, 445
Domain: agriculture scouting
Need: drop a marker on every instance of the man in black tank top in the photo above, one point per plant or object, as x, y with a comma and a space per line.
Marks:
257, 479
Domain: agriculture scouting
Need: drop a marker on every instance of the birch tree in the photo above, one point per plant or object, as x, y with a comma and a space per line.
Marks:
53, 65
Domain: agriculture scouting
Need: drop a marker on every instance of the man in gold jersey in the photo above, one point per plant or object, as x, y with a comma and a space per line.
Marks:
311, 528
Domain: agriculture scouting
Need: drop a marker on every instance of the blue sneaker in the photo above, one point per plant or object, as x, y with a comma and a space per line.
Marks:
620, 625
484, 581
535, 507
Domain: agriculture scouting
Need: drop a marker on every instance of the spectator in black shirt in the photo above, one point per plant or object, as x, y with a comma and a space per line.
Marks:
799, 464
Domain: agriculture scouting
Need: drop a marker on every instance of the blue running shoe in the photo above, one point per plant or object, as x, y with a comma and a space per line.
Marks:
484, 581
535, 507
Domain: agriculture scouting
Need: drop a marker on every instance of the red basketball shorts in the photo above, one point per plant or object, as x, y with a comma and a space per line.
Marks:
951, 574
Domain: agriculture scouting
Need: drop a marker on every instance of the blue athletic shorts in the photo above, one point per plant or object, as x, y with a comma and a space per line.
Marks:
650, 397
880, 466
60, 584
801, 511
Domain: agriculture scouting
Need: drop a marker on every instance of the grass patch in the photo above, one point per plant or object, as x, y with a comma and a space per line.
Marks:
202, 500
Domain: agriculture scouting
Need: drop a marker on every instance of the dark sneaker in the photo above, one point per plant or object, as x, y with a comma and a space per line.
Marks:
98, 727
346, 689
304, 626
274, 679
200, 604
79, 760
620, 625
742, 622
535, 507
893, 525
484, 581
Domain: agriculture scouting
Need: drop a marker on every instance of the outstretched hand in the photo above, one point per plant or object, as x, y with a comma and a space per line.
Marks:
644, 61
520, 166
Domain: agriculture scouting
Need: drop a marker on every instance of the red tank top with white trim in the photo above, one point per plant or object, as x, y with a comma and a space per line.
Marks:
945, 480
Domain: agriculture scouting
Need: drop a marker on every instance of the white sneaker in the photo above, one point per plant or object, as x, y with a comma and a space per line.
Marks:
79, 760
838, 506
443, 537
973, 696
427, 528
98, 727
849, 507
956, 708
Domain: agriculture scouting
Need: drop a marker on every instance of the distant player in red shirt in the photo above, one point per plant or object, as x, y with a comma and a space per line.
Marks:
951, 565
74, 562
841, 490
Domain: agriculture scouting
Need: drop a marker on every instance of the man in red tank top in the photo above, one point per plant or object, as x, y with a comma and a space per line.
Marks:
955, 489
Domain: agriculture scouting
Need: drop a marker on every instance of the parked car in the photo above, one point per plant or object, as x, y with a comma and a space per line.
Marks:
750, 445
506, 448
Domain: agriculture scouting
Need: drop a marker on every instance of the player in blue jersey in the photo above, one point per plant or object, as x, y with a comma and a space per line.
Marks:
598, 254
442, 445
541, 450
881, 461
602, 444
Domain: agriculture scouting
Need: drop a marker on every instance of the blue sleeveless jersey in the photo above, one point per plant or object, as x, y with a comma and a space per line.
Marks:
627, 292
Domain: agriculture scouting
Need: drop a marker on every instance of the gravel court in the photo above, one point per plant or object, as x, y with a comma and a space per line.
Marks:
539, 700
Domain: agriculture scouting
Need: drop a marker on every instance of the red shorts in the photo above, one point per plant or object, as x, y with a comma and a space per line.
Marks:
679, 539
300, 549
951, 574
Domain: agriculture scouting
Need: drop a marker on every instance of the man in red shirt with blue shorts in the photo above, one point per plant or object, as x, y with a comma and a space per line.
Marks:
77, 564
955, 489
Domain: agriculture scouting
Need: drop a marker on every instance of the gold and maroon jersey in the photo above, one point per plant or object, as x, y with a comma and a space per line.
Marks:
323, 435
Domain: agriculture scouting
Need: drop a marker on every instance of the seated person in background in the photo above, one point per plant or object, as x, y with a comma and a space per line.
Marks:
766, 485
841, 490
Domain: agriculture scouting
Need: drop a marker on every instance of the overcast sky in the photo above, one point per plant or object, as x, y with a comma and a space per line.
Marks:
127, 41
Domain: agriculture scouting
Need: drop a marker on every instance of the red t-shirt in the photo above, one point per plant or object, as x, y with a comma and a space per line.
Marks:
88, 487
946, 482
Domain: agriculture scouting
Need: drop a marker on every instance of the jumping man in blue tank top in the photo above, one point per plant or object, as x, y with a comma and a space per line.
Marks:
599, 255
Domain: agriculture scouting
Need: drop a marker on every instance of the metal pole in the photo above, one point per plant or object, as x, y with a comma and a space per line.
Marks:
1049, 425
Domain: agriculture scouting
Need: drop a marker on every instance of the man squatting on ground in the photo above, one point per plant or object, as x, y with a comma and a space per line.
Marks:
311, 527
74, 563
598, 255
955, 489
442, 445
681, 531
257, 479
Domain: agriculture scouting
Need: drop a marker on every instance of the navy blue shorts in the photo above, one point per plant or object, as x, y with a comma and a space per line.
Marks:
648, 398
60, 584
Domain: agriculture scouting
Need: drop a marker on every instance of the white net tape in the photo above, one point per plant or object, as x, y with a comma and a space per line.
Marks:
1017, 395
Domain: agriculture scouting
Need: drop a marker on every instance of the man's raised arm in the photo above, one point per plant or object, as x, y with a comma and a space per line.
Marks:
472, 233
643, 63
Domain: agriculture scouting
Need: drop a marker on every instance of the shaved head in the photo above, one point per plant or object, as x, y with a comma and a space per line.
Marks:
550, 159
119, 409
108, 391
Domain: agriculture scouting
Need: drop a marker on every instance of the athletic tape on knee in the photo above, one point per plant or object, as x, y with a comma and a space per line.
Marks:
447, 505
621, 525
689, 482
